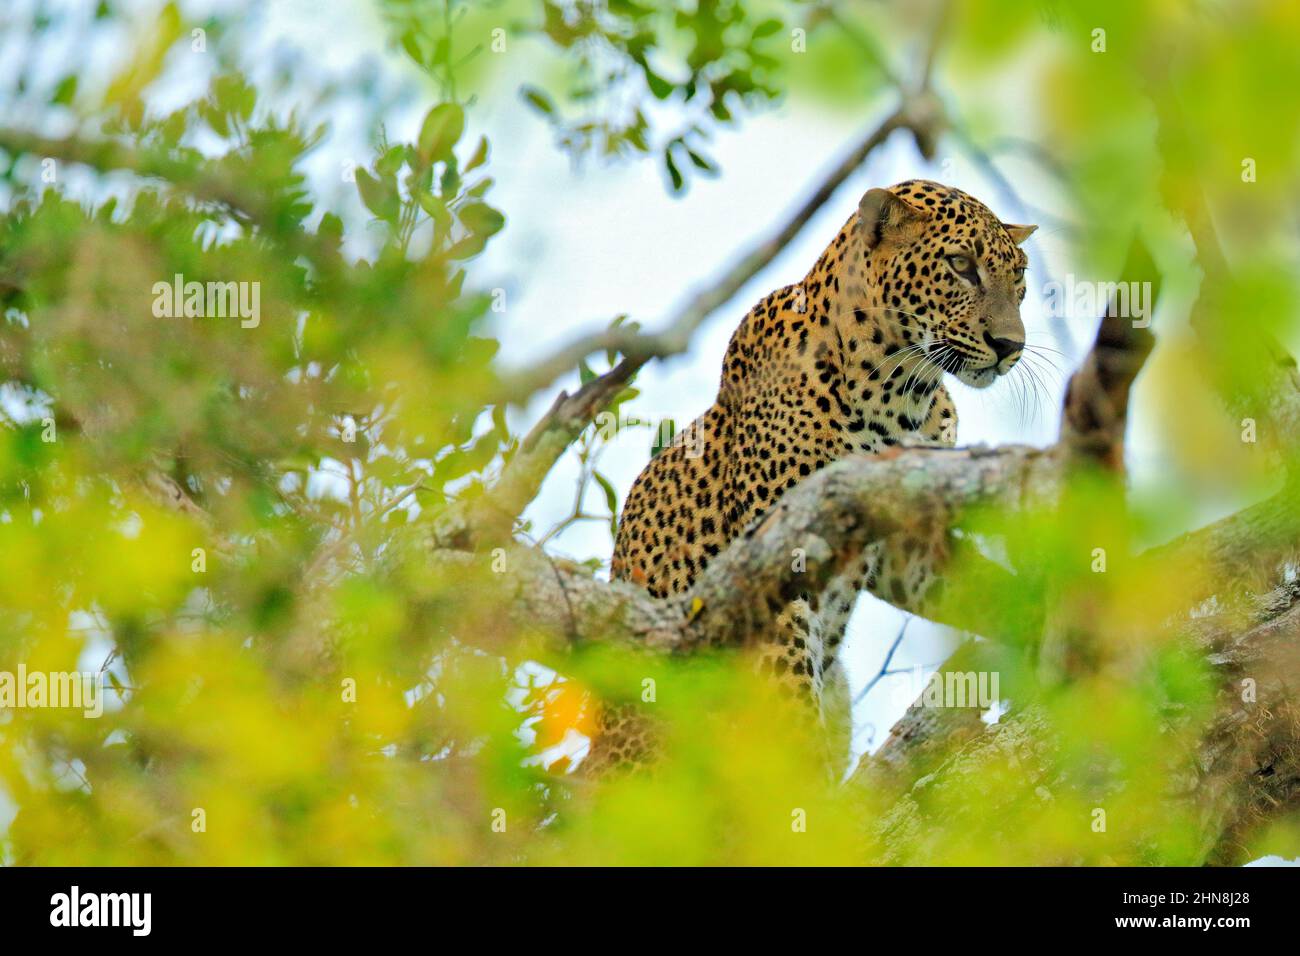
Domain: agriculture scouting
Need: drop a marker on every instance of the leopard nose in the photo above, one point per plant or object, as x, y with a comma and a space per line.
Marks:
1002, 347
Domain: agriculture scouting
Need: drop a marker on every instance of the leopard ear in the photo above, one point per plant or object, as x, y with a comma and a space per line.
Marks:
882, 215
1018, 234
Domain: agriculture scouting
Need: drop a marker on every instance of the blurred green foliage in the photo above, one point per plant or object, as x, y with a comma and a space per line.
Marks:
292, 672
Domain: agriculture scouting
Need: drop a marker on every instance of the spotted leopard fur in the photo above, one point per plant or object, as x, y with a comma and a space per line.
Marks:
922, 280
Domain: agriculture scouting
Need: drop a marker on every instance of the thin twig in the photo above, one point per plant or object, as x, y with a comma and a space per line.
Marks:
884, 667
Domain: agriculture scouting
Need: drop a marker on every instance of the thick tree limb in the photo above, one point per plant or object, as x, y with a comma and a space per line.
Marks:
1248, 767
1095, 413
1244, 768
827, 520
1249, 550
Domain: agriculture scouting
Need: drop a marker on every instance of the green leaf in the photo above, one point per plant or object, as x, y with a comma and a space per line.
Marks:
411, 44
441, 130
499, 420
611, 497
481, 219
481, 453
660, 87
666, 430
479, 351
450, 467
702, 162
471, 245
65, 91
441, 51
674, 174
380, 197
215, 117
234, 95
449, 181
391, 161
538, 100
330, 230
766, 29
612, 354
480, 155
436, 209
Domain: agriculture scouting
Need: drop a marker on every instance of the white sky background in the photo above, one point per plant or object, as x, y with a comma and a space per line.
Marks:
583, 245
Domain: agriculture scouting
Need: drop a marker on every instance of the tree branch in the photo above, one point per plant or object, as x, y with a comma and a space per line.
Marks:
490, 517
108, 156
640, 347
1242, 769
202, 179
1095, 413
828, 519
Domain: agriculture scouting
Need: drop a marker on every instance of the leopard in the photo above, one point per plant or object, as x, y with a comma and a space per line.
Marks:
921, 281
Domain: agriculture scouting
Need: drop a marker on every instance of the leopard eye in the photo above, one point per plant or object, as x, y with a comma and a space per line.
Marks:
964, 267
1019, 273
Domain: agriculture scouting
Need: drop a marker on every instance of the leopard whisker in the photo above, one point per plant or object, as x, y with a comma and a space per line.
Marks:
920, 374
1037, 352
1038, 392
1044, 348
899, 358
1047, 369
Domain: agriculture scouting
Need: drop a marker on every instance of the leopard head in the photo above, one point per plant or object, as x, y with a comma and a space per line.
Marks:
948, 275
